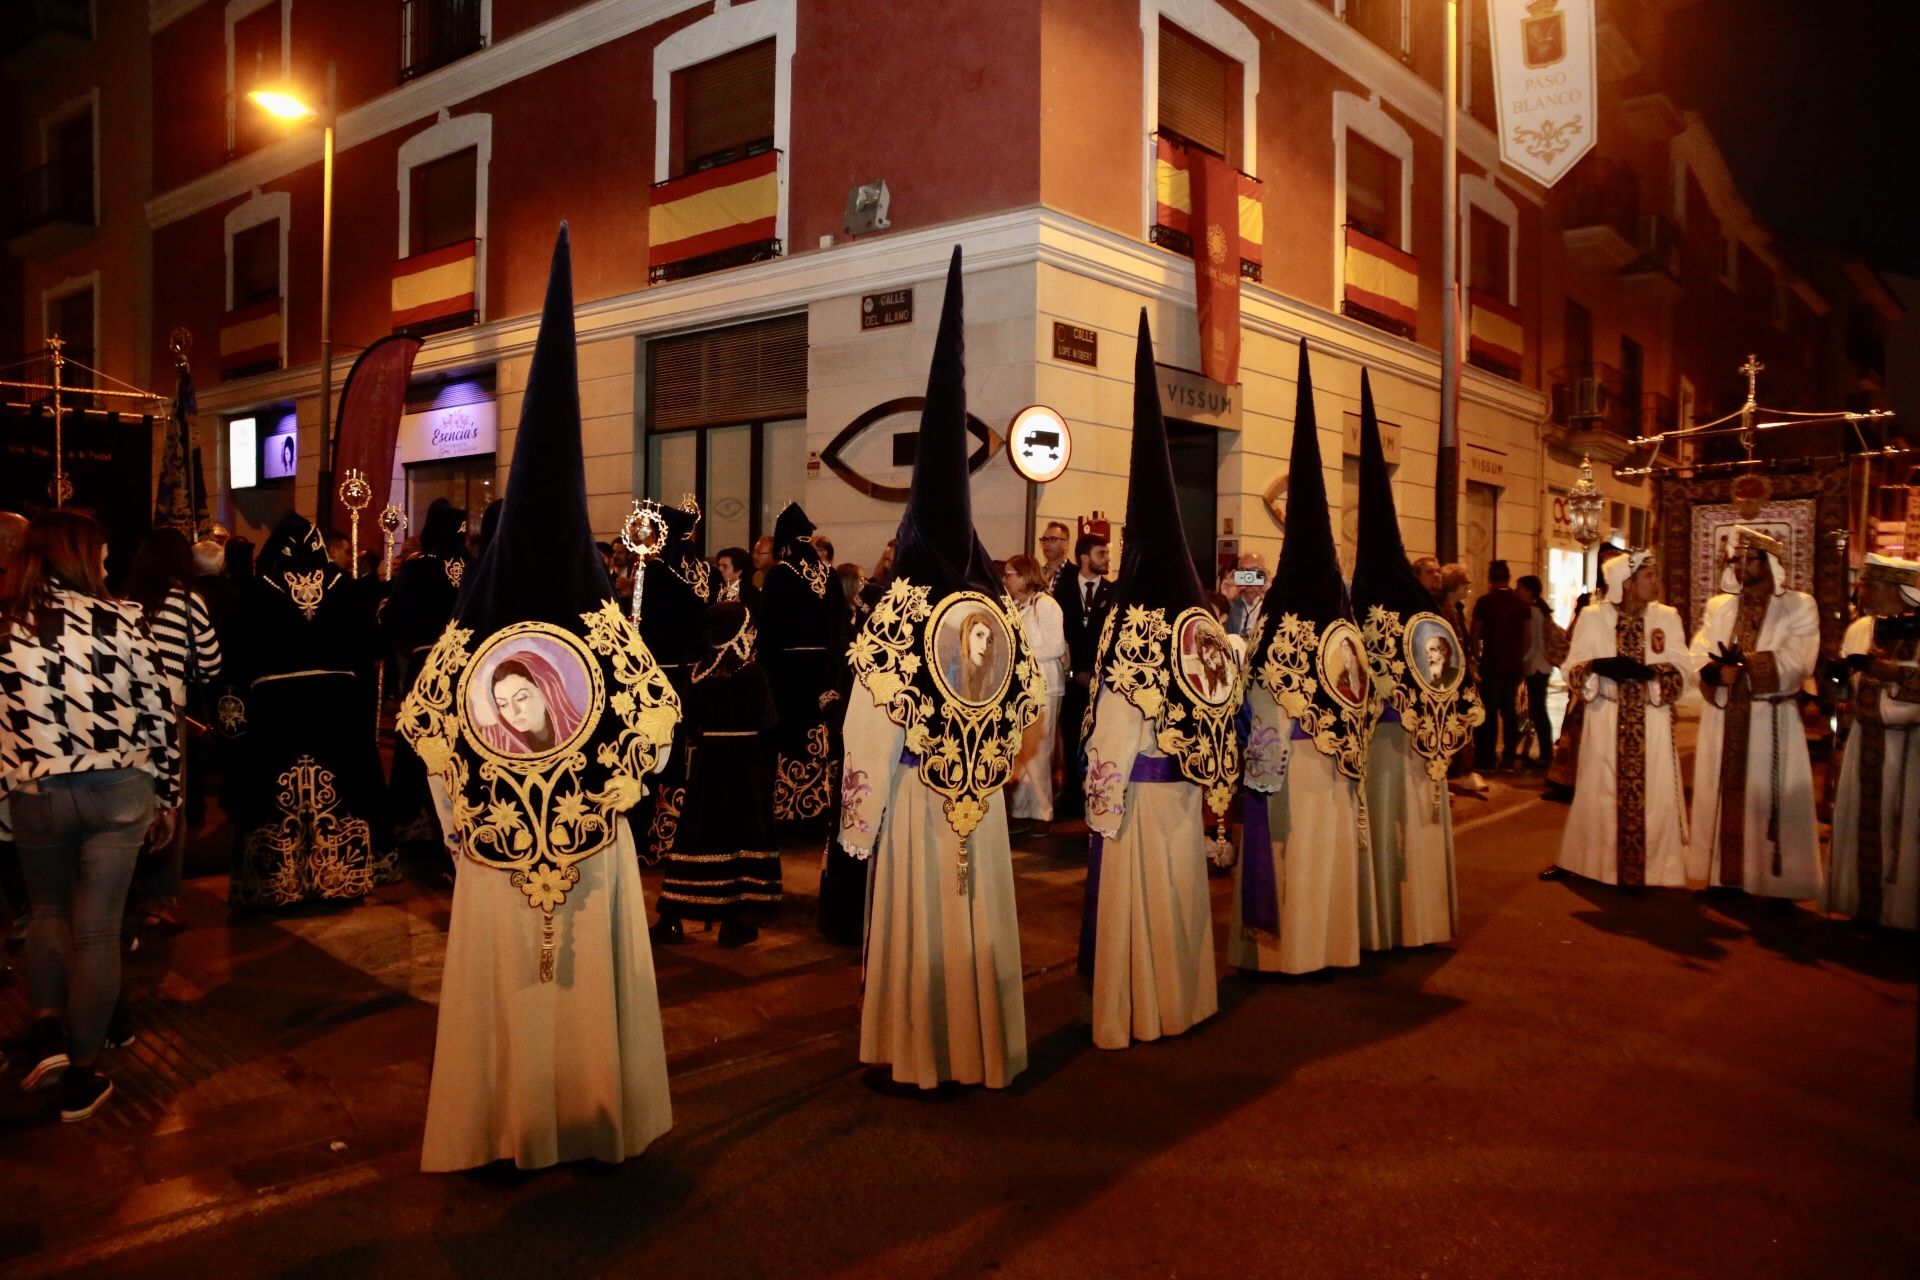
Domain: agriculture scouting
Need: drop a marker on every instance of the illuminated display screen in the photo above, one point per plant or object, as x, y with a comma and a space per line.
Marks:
280, 451
243, 453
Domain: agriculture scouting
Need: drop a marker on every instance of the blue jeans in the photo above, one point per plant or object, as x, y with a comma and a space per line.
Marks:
79, 836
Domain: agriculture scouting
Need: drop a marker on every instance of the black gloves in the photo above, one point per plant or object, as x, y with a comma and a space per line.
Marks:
1858, 661
1621, 668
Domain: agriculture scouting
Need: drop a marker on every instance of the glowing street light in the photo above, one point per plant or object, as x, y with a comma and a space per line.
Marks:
282, 104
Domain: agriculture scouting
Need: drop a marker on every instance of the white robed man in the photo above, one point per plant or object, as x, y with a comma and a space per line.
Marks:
1630, 663
1427, 714
944, 687
1753, 815
1161, 741
538, 715
1304, 880
1873, 872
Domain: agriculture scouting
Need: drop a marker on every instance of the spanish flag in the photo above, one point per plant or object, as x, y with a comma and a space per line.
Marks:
714, 210
1494, 332
250, 336
1382, 279
1173, 198
434, 284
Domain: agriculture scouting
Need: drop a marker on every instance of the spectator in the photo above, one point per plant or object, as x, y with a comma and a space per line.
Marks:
878, 583
824, 545
1538, 666
1247, 611
1450, 603
736, 583
1053, 547
850, 584
188, 650
1431, 578
1498, 638
1084, 597
1040, 617
82, 765
340, 551
762, 558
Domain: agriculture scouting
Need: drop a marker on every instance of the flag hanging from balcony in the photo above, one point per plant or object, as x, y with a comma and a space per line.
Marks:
434, 285
1495, 336
250, 337
1215, 188
1382, 279
1173, 205
727, 207
1543, 69
370, 409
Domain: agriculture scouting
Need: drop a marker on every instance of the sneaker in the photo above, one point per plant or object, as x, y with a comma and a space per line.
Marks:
42, 1054
120, 1031
83, 1091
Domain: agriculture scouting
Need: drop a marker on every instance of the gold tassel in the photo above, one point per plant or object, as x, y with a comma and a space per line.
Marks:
962, 876
546, 947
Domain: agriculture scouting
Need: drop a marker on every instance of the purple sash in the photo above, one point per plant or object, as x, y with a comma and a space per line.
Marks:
1145, 769
1259, 896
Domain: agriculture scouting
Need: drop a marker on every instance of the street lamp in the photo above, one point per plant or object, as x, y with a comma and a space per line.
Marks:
1584, 505
284, 103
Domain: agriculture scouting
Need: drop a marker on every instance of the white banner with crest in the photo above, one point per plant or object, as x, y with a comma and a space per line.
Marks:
1543, 75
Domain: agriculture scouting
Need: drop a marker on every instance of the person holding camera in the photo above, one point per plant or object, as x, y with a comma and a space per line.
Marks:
1247, 611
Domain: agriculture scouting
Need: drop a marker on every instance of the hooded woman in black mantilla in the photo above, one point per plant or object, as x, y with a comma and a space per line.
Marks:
303, 783
802, 620
539, 715
930, 744
1299, 892
1160, 742
674, 589
1426, 714
419, 604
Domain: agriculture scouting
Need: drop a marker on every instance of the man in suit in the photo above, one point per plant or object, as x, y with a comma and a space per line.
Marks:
1083, 596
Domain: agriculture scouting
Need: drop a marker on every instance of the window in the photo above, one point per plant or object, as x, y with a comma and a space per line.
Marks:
443, 198
1195, 92
726, 421
70, 176
724, 108
258, 57
434, 33
1382, 21
256, 265
1633, 364
1477, 64
1487, 240
1576, 338
1373, 189
69, 317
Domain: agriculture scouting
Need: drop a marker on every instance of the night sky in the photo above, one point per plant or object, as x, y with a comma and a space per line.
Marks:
1815, 107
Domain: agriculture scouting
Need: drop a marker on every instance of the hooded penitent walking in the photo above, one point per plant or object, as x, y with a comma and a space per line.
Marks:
802, 620
1629, 662
675, 585
944, 687
1753, 816
1427, 714
1160, 746
1873, 873
538, 714
1304, 877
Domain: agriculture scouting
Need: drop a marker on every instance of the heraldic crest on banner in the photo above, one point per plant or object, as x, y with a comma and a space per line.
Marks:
1183, 678
1318, 676
960, 679
539, 758
1418, 671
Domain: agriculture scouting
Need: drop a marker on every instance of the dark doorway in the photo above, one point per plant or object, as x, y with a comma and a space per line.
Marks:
1196, 477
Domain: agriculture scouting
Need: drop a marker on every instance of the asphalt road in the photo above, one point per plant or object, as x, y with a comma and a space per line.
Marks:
1584, 1084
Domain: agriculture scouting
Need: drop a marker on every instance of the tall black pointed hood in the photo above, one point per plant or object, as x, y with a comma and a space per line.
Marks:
936, 546
1156, 569
1307, 582
541, 565
1382, 574
790, 533
443, 533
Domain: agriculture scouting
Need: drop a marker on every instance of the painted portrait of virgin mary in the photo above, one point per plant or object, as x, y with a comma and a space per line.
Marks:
532, 711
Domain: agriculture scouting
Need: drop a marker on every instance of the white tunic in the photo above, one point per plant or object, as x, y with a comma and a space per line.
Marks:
943, 997
1898, 712
542, 1072
1787, 648
1153, 961
1590, 845
1412, 836
1313, 821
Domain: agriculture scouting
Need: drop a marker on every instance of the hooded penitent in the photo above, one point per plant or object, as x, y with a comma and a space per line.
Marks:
675, 587
1311, 657
965, 710
1162, 649
295, 566
540, 706
444, 533
1419, 684
803, 623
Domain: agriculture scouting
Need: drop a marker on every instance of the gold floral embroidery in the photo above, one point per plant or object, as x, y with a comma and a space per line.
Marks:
1438, 720
456, 570
1288, 674
813, 573
307, 590
312, 851
668, 802
803, 785
1143, 666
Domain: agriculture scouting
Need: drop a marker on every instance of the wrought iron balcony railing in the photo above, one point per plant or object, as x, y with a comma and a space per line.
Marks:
434, 33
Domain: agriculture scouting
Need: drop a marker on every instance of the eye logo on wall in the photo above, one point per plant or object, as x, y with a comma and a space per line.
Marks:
1275, 500
907, 407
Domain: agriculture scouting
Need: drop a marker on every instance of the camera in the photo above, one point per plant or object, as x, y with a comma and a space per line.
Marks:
1249, 578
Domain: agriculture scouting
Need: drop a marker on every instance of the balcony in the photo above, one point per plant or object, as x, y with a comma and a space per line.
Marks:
37, 29
1656, 271
713, 219
1496, 339
435, 291
1602, 204
1173, 206
50, 210
1658, 414
1590, 414
1382, 284
434, 33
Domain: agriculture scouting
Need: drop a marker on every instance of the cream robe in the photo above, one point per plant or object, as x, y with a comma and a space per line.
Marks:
1589, 845
1790, 635
1899, 712
543, 1072
1412, 862
1153, 971
1313, 818
1042, 621
943, 997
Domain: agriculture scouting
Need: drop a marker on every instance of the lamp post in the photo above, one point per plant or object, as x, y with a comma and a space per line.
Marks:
1584, 505
285, 104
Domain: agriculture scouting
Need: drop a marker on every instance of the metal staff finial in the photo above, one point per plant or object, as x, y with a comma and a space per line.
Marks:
393, 522
355, 494
644, 533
